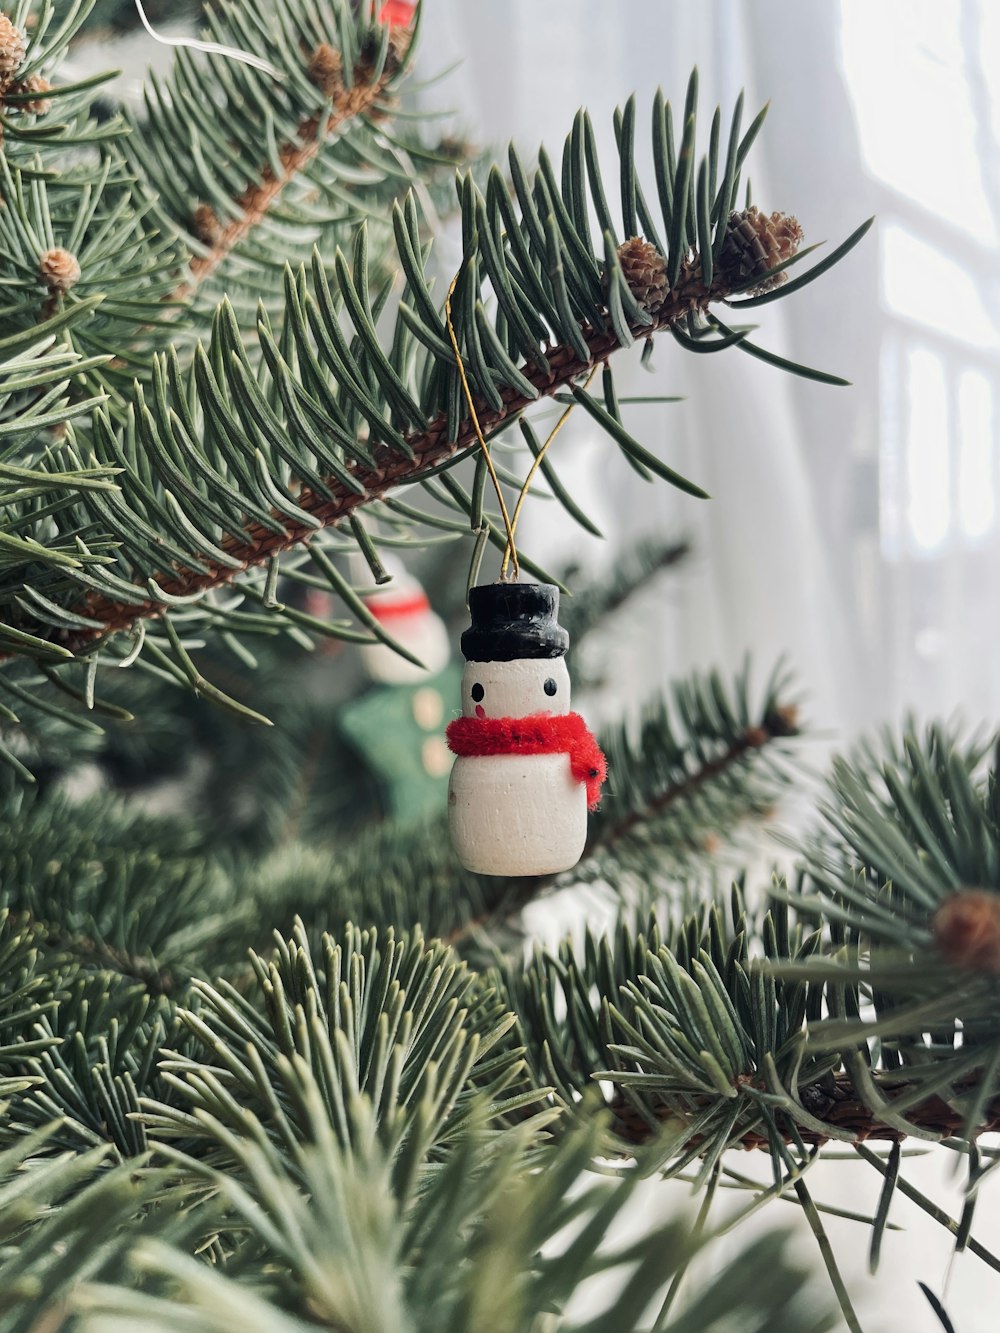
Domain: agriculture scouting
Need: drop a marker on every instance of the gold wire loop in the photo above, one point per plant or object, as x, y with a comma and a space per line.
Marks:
509, 523
536, 463
508, 527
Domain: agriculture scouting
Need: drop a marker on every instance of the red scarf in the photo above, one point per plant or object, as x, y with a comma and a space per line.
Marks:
539, 733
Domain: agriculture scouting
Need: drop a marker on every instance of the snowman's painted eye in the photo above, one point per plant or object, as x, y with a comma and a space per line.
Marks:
477, 692
550, 686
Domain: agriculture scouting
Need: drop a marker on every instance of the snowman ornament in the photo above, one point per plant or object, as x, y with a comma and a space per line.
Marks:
527, 769
403, 609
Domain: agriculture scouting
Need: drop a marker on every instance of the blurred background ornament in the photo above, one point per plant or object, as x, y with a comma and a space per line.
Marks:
396, 727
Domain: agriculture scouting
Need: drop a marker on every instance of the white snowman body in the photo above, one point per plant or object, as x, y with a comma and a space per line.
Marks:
514, 814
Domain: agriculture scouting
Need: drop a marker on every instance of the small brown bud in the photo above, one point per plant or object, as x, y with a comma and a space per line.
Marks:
967, 930
455, 149
59, 270
325, 70
645, 271
784, 720
205, 224
399, 41
37, 106
13, 49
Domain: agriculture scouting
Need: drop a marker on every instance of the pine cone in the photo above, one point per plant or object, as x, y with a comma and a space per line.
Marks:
59, 270
645, 271
755, 243
39, 105
13, 49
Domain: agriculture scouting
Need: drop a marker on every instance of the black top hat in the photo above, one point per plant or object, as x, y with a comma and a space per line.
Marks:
513, 620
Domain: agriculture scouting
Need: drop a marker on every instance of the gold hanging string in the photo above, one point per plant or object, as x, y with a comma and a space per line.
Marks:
510, 549
535, 465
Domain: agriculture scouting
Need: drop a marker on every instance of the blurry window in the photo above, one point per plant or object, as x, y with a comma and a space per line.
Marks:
922, 76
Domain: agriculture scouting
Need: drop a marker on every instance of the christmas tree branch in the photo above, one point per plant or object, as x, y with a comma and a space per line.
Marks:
779, 724
714, 1031
225, 465
593, 604
224, 142
365, 94
368, 483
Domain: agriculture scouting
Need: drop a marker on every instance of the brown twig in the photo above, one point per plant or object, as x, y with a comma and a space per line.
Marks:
780, 724
135, 967
254, 204
838, 1105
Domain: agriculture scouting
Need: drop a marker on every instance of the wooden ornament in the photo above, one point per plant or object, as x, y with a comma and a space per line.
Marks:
402, 607
526, 767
